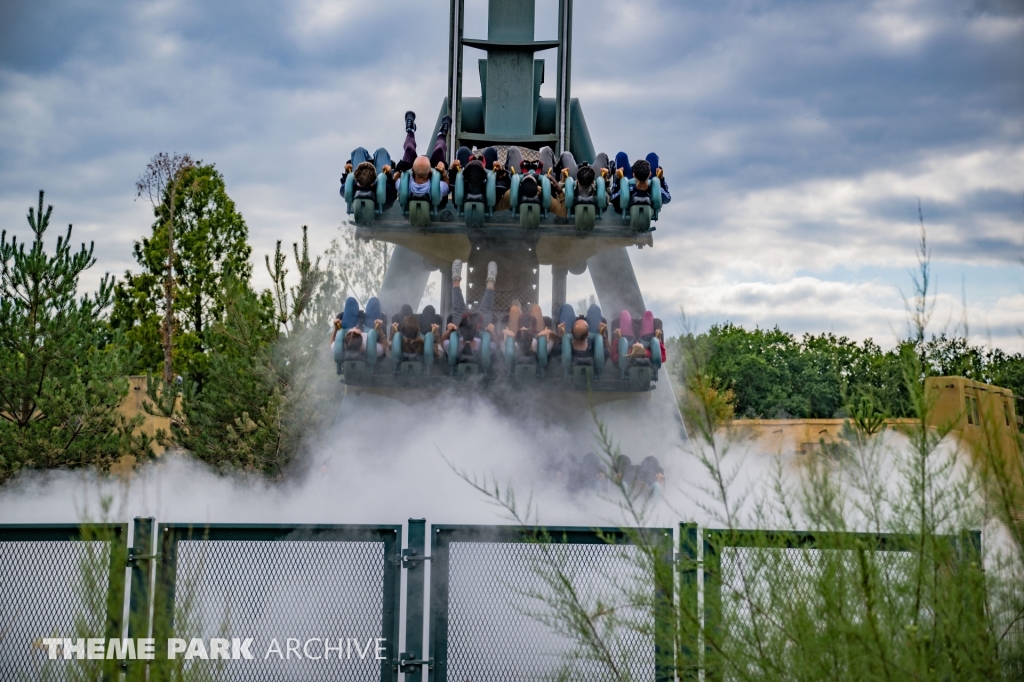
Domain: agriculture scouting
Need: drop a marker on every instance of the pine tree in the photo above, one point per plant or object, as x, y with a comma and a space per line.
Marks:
61, 377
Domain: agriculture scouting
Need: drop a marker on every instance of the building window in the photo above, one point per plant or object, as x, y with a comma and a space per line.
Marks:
971, 408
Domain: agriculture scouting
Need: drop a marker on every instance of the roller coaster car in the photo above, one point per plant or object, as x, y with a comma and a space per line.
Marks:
420, 208
522, 371
530, 207
585, 206
639, 211
365, 205
474, 207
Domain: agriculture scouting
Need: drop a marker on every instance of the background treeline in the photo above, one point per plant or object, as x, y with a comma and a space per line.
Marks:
774, 374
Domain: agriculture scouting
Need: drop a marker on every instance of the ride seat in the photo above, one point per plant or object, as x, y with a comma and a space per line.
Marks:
474, 207
583, 374
420, 208
639, 374
355, 368
526, 369
530, 209
365, 204
583, 205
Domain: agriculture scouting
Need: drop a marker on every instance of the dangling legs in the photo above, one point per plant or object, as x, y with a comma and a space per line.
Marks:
381, 158
514, 160
439, 154
568, 162
486, 309
458, 300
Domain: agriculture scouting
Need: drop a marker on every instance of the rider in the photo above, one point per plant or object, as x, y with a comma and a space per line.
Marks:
641, 171
422, 165
462, 320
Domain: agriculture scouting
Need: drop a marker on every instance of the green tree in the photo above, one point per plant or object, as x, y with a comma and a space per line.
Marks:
269, 387
210, 247
61, 377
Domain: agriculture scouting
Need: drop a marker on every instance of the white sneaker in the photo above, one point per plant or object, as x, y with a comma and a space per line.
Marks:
492, 271
456, 269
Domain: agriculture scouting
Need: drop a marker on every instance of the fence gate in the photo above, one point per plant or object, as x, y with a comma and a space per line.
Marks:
748, 572
316, 600
490, 596
59, 581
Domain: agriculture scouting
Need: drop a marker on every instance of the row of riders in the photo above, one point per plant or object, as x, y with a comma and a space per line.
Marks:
521, 338
479, 183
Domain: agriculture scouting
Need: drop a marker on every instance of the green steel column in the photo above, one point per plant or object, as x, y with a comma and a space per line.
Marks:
508, 99
414, 561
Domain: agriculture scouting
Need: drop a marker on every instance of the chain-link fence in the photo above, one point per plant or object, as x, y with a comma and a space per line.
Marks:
501, 604
318, 602
63, 582
322, 602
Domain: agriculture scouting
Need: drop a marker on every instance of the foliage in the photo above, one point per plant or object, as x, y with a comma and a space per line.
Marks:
267, 391
356, 267
211, 246
300, 312
62, 377
775, 375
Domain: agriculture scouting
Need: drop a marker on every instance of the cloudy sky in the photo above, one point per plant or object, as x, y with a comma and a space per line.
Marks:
798, 137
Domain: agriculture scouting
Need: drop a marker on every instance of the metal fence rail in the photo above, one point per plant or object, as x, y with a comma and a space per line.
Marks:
299, 587
491, 589
61, 581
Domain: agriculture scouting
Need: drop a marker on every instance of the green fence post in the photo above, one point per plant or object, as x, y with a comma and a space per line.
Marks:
439, 545
165, 582
414, 561
140, 560
118, 534
688, 665
712, 629
664, 642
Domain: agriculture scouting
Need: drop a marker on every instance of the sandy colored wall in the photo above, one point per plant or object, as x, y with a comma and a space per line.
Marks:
958, 402
132, 405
